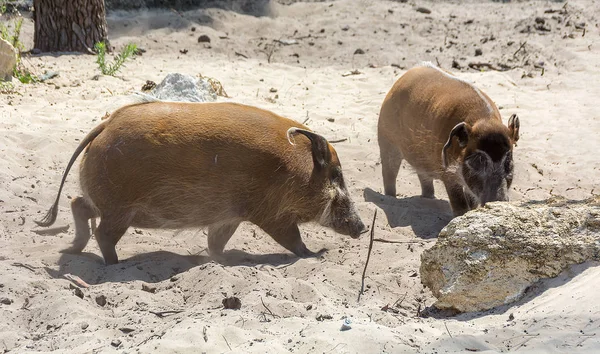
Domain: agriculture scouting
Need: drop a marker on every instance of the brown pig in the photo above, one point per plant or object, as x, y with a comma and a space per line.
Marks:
168, 165
446, 129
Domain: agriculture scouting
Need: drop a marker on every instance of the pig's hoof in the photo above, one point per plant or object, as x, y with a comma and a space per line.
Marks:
304, 252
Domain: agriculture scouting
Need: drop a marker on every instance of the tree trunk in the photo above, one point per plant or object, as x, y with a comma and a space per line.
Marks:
69, 25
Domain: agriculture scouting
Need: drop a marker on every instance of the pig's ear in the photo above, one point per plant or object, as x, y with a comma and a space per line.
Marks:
513, 127
461, 131
319, 146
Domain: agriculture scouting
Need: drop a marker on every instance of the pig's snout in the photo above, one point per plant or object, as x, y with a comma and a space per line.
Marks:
358, 229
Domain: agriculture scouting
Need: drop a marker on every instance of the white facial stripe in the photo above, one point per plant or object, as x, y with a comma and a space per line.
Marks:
429, 64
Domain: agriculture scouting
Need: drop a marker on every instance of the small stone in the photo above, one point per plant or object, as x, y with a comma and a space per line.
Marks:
193, 29
204, 39
540, 20
101, 300
511, 317
84, 325
76, 290
478, 52
321, 318
232, 303
423, 10
331, 120
149, 288
308, 307
115, 343
273, 90
359, 51
5, 301
345, 28
35, 51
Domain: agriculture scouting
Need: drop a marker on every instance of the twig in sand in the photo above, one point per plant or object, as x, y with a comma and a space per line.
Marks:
268, 309
362, 285
159, 336
204, 335
524, 342
337, 141
22, 265
445, 325
382, 240
162, 314
307, 119
499, 67
337, 345
226, 342
241, 55
399, 302
519, 49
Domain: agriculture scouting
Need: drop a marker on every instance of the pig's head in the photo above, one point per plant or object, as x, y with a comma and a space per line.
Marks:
485, 162
337, 210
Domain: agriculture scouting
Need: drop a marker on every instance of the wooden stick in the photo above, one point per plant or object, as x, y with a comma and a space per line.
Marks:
445, 325
268, 309
337, 141
226, 342
518, 50
382, 240
162, 314
362, 285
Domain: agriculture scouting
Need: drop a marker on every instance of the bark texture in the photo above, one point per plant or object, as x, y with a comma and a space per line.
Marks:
69, 25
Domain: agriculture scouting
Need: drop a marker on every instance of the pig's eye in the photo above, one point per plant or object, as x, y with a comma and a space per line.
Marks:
336, 175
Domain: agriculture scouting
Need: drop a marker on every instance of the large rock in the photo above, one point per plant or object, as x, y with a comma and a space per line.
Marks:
8, 60
490, 256
184, 88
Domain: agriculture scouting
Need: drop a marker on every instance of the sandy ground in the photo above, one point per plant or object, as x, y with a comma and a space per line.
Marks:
304, 299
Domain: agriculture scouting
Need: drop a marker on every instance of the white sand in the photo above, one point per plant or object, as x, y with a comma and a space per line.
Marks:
41, 127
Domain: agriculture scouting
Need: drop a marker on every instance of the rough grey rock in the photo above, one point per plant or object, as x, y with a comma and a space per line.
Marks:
491, 255
184, 88
8, 60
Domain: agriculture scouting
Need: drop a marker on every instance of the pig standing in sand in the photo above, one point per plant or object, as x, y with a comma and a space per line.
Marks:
184, 165
446, 129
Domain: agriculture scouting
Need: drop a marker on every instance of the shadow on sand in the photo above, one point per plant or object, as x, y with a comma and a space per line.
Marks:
426, 217
154, 267
175, 15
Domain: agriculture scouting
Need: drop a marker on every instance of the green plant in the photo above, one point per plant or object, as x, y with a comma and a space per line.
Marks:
14, 37
108, 69
7, 87
24, 75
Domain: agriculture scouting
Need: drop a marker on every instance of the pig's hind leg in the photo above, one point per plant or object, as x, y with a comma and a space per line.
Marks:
218, 236
82, 213
110, 230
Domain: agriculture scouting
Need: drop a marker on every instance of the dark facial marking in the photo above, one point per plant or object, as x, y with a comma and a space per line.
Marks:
494, 144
